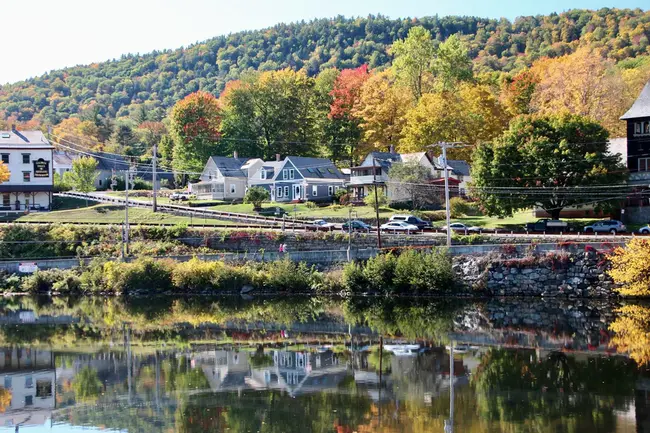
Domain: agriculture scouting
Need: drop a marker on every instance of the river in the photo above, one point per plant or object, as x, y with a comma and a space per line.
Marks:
322, 364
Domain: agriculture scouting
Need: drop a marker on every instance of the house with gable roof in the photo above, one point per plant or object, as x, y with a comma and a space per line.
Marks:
225, 178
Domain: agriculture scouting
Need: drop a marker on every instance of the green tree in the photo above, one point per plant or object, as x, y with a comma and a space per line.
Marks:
195, 122
452, 63
256, 195
83, 175
414, 60
86, 385
409, 181
553, 162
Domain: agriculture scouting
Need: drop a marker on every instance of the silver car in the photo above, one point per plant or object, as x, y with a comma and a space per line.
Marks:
645, 230
606, 226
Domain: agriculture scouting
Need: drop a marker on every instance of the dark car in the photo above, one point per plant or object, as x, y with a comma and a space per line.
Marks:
411, 219
357, 226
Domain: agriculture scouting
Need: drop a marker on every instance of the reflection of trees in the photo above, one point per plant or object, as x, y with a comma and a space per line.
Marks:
552, 393
632, 328
419, 318
373, 360
86, 385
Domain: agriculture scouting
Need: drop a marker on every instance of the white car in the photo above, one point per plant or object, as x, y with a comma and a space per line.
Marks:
399, 226
461, 228
321, 225
645, 230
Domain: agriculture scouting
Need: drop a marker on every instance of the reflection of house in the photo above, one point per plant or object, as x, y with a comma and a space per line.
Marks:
30, 376
224, 369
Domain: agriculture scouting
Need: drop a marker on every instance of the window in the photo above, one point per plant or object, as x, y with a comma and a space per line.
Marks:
5, 158
314, 190
99, 182
29, 381
285, 174
310, 170
330, 190
263, 174
6, 200
29, 400
27, 176
43, 388
232, 188
638, 127
7, 382
279, 192
644, 164
26, 158
331, 170
647, 128
286, 191
291, 174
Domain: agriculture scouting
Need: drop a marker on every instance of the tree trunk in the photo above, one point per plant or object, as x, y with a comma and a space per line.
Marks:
555, 214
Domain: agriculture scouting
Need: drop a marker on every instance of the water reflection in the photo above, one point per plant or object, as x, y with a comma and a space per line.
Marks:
317, 365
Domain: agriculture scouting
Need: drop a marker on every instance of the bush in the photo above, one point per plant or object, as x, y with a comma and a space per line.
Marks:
369, 200
141, 274
44, 281
458, 207
195, 275
289, 276
311, 205
339, 194
353, 278
10, 283
379, 271
421, 272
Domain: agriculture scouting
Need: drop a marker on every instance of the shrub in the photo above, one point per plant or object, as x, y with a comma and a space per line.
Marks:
369, 200
141, 274
43, 281
458, 207
422, 272
340, 193
289, 276
379, 271
195, 275
311, 205
10, 283
353, 278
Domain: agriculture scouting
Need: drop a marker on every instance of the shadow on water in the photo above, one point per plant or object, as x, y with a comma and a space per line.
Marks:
319, 364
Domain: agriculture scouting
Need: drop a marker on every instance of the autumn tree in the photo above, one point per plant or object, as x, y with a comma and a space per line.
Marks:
5, 174
382, 111
452, 64
194, 126
631, 268
517, 92
413, 62
552, 162
582, 83
408, 180
346, 94
471, 114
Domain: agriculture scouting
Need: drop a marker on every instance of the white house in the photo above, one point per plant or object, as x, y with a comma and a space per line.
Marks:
225, 178
28, 156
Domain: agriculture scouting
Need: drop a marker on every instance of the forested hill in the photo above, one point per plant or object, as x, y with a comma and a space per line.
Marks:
158, 79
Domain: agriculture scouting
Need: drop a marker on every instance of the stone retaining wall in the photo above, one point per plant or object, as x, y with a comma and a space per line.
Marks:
570, 274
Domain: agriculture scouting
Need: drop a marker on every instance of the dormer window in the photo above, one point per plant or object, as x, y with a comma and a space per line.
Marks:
263, 174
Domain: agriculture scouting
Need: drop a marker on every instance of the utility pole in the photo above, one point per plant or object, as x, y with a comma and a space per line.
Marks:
349, 234
374, 182
153, 176
444, 146
125, 236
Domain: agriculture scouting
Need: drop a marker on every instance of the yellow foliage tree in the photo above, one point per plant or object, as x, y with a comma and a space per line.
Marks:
583, 83
631, 268
471, 115
382, 111
5, 399
632, 328
4, 172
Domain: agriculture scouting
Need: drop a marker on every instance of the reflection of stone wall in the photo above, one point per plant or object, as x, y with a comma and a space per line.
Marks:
564, 274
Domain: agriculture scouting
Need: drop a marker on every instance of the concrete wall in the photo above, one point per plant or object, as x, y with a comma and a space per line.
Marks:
637, 215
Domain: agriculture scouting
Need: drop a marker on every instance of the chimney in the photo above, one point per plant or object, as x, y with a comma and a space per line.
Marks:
391, 149
13, 127
235, 154
277, 157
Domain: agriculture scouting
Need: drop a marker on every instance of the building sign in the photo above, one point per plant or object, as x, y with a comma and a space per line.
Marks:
41, 168
27, 268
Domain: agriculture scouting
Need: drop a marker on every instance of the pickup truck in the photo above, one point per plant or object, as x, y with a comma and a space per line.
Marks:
547, 225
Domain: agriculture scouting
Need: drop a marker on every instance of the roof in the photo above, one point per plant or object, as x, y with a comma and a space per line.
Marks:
62, 158
316, 168
641, 107
23, 138
459, 166
230, 167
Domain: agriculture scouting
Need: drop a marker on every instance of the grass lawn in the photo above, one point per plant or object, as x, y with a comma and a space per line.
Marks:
517, 221
112, 214
304, 212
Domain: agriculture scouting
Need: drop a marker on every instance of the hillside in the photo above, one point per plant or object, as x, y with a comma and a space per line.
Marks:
158, 79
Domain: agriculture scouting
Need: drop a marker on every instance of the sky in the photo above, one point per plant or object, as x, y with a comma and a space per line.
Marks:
42, 35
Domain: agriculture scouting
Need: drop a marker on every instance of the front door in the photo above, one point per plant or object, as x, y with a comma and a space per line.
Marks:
296, 192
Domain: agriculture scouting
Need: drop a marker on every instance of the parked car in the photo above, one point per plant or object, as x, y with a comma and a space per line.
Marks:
462, 228
275, 211
548, 225
606, 226
321, 226
180, 196
357, 226
411, 219
645, 230
399, 226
